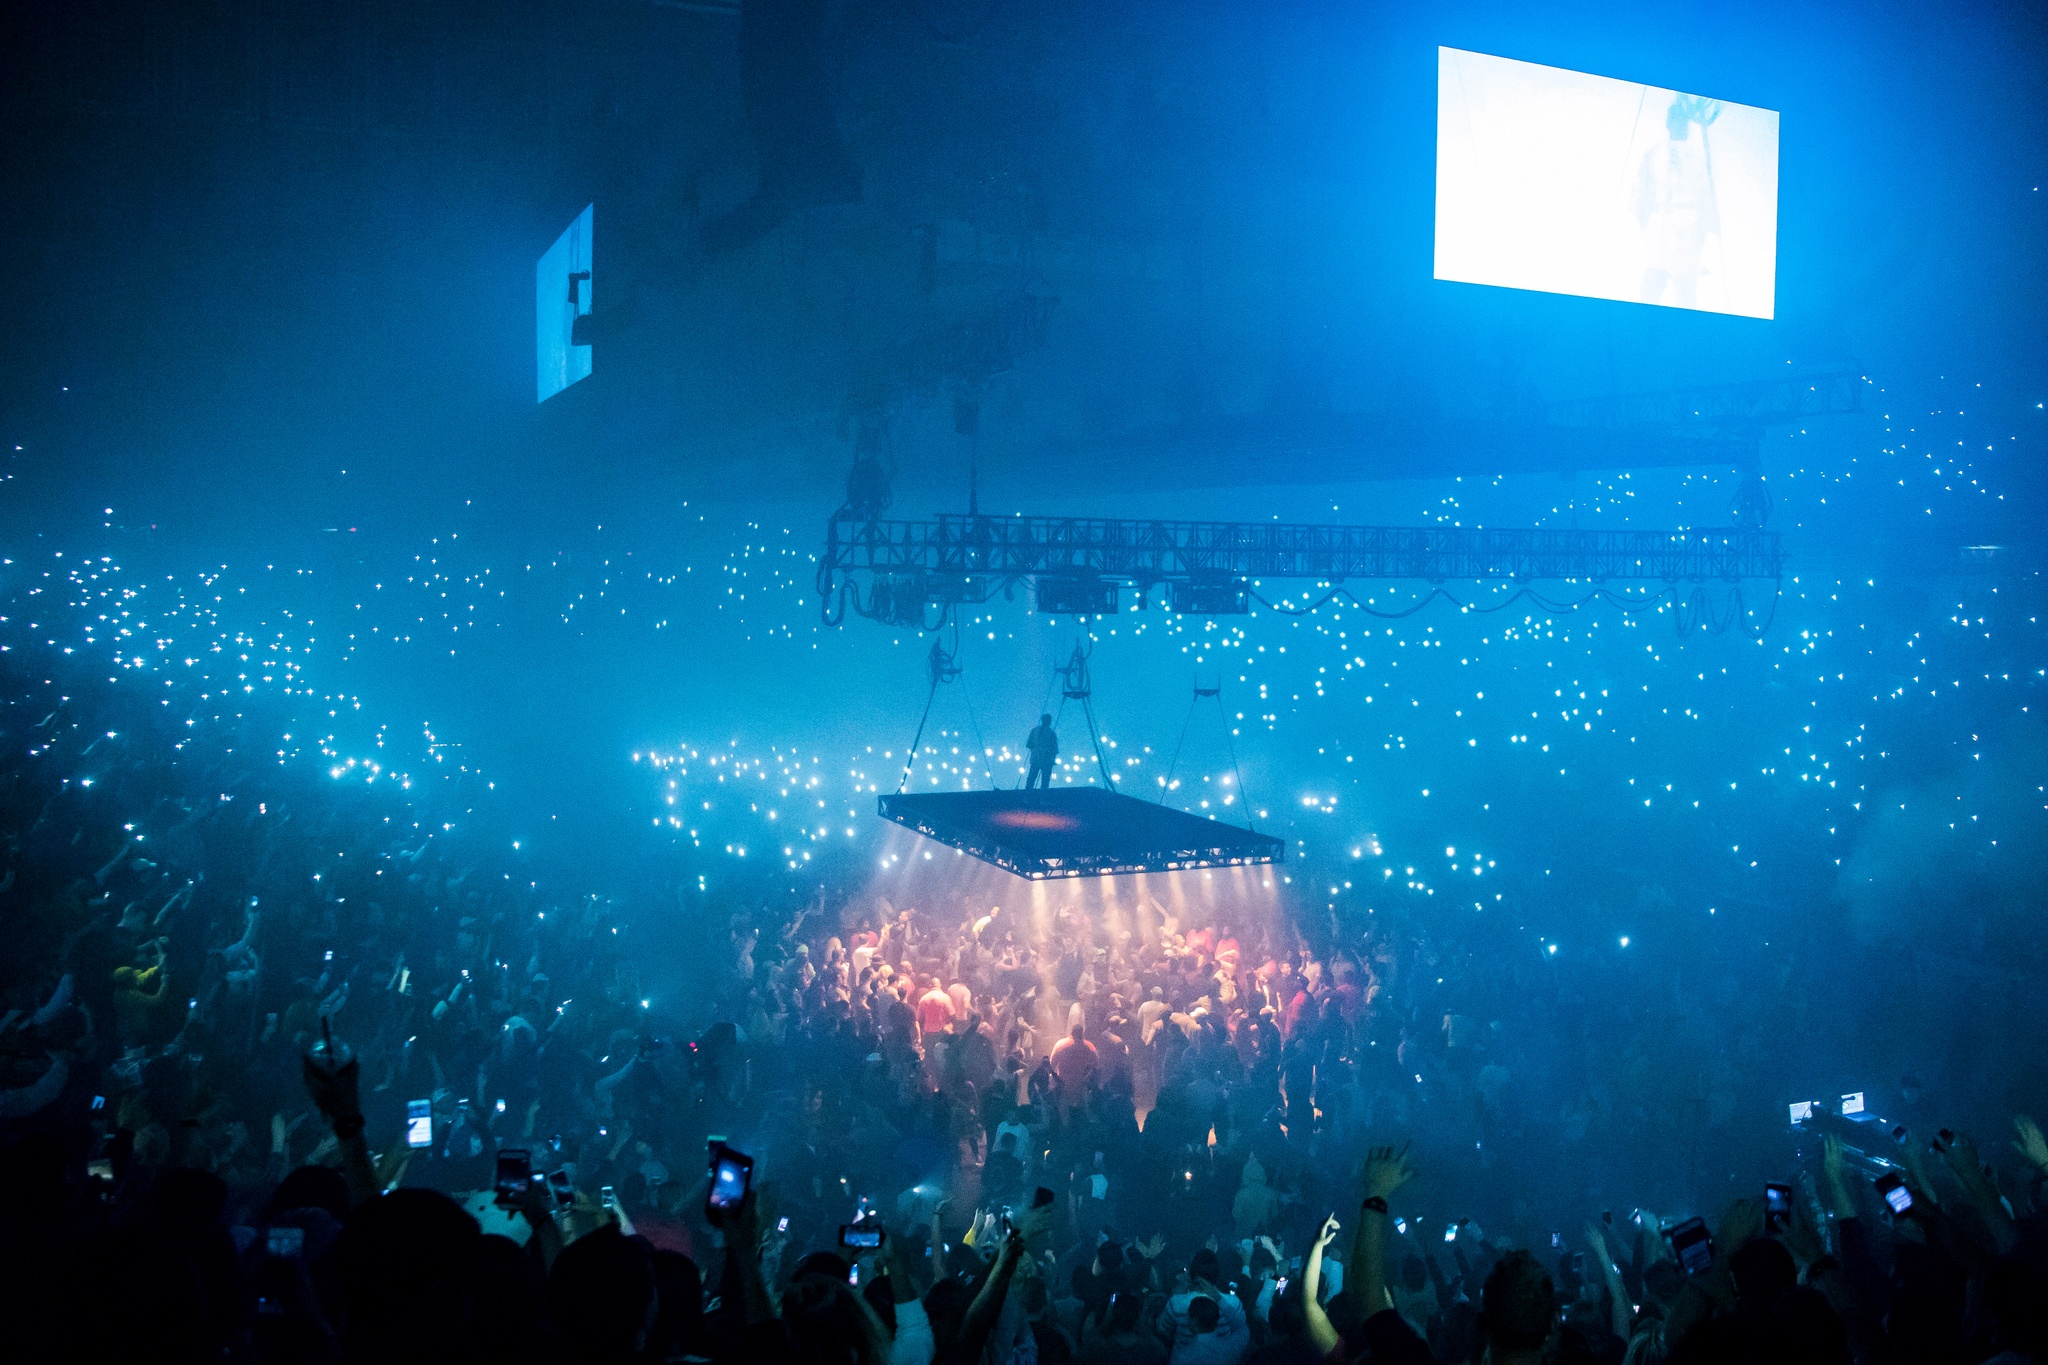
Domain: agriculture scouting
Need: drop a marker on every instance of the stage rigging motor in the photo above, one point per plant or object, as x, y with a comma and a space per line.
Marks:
1229, 740
942, 667
1072, 680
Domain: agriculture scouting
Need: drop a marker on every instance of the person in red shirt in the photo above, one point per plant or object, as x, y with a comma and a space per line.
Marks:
1074, 1064
934, 1010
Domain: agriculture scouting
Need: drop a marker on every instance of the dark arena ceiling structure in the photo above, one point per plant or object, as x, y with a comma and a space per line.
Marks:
1124, 249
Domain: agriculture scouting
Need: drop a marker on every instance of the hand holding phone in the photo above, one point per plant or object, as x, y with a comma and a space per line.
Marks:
1897, 1197
861, 1236
331, 1071
732, 1179
515, 1173
1693, 1246
419, 1123
1777, 1207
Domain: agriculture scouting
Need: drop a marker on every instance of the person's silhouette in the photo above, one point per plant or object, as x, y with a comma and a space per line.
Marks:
1043, 746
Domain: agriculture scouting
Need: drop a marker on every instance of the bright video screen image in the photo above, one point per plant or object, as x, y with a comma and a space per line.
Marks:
1570, 183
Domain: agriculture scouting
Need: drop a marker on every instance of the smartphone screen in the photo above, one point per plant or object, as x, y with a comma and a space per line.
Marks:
605, 1195
559, 1184
1897, 1197
1777, 1206
287, 1243
860, 1236
100, 1168
1693, 1246
515, 1172
731, 1173
419, 1123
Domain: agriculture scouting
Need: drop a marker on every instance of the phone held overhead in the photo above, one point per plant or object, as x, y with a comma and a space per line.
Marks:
1693, 1246
732, 1176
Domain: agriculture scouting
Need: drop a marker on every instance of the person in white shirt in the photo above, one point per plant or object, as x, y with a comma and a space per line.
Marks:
1205, 1323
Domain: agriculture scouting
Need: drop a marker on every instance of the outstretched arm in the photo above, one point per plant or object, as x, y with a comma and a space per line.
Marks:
988, 1304
1621, 1320
1320, 1333
1386, 1170
1981, 1195
335, 1091
743, 1259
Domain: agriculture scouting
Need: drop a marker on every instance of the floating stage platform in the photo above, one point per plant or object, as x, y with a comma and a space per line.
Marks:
1077, 832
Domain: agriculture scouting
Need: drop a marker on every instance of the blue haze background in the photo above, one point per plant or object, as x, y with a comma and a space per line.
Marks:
270, 445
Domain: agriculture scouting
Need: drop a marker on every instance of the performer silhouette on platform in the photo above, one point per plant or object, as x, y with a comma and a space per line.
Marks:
1044, 747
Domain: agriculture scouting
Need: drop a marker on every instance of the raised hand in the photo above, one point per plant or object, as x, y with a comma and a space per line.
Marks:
281, 1131
1034, 1220
2029, 1143
335, 1089
1386, 1170
1800, 1236
1980, 1190
1910, 1155
740, 1222
1327, 1233
1741, 1223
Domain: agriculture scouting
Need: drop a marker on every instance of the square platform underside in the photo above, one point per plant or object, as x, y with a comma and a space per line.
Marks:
1077, 832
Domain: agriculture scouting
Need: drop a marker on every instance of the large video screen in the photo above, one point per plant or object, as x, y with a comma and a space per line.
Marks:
561, 294
1567, 183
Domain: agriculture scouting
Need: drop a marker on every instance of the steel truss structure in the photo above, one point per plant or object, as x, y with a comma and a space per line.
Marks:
952, 558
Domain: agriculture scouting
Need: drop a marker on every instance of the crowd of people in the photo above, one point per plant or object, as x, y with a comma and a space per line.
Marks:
287, 1074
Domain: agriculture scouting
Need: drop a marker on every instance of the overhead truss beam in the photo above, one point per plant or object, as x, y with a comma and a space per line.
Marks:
969, 550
